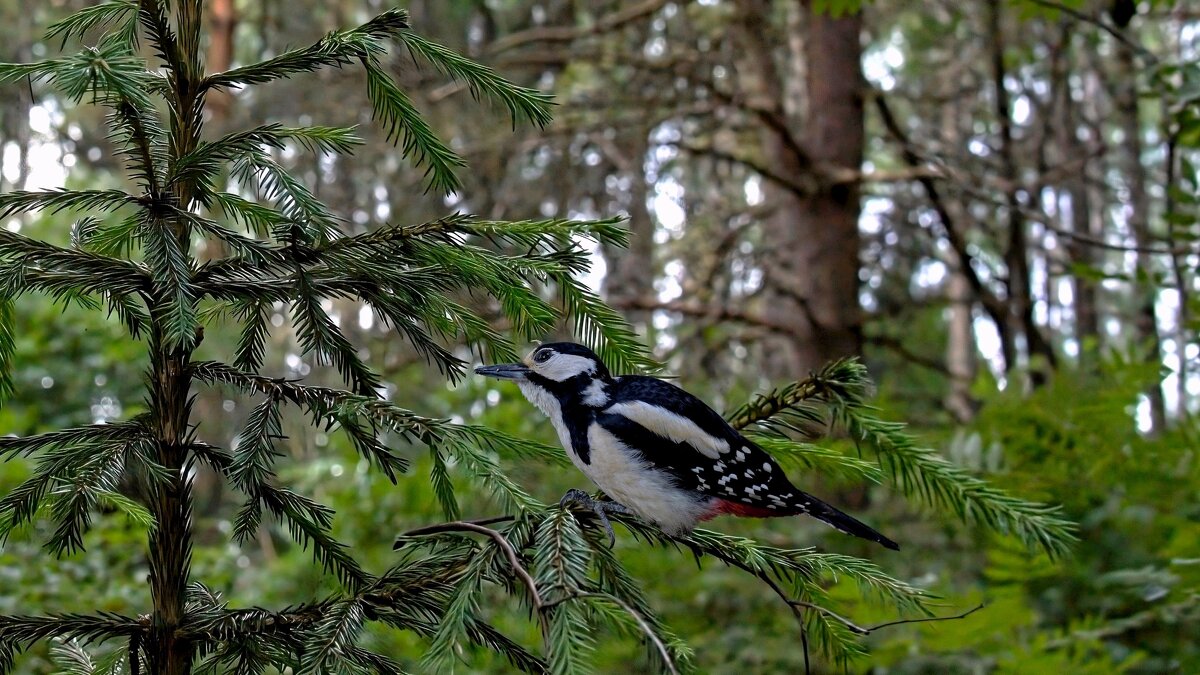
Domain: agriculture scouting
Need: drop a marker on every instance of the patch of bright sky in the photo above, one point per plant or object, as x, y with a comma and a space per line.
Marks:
47, 164
667, 206
881, 63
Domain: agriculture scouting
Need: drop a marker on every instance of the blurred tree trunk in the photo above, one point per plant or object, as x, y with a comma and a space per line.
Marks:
629, 281
1137, 210
826, 227
1016, 255
1080, 255
223, 19
209, 406
960, 348
811, 238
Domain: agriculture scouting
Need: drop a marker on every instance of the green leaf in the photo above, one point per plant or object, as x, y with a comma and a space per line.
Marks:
335, 49
443, 487
175, 300
21, 201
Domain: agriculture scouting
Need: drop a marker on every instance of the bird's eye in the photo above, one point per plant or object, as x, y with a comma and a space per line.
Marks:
542, 356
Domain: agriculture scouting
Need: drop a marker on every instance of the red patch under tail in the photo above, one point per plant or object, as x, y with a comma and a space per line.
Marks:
723, 507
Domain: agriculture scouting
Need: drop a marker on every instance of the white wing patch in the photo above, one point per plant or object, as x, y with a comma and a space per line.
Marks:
671, 425
595, 394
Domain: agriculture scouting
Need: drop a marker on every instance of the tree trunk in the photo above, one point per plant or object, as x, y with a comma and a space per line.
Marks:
960, 348
1016, 254
171, 539
170, 542
811, 239
1145, 325
825, 234
224, 19
1078, 220
629, 281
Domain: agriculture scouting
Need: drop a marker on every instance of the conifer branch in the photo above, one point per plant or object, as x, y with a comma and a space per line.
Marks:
837, 396
8, 346
77, 25
17, 633
522, 102
336, 49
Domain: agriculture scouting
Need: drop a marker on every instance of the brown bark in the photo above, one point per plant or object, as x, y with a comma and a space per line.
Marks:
630, 277
960, 349
811, 239
826, 228
223, 19
1084, 289
169, 651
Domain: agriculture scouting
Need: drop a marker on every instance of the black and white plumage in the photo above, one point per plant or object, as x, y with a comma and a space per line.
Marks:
656, 449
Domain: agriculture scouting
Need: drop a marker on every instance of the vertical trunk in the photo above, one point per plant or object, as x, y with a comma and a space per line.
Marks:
170, 542
1016, 255
826, 222
1128, 110
811, 239
223, 19
1084, 288
630, 278
960, 348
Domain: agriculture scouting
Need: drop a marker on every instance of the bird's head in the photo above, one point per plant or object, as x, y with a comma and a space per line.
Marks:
553, 366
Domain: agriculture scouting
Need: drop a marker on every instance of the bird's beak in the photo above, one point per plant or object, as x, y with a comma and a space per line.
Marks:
505, 371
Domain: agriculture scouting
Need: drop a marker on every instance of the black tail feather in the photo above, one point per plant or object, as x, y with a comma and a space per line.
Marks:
841, 521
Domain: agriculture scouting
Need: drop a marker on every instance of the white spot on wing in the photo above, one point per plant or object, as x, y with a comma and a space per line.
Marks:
671, 425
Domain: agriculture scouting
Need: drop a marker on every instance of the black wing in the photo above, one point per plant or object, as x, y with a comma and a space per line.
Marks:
718, 462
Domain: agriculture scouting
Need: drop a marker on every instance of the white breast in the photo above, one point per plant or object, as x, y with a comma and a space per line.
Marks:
630, 480
548, 404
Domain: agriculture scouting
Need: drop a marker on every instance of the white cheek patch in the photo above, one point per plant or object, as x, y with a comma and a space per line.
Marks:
562, 367
671, 425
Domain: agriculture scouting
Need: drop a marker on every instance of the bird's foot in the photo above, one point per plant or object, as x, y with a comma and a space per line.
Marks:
600, 508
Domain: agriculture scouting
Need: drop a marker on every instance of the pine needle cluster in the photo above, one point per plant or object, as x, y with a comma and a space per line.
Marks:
133, 254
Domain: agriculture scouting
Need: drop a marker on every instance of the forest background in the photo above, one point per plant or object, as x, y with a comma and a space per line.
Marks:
994, 204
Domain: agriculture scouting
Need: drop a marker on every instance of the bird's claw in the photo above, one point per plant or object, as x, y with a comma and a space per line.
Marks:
600, 508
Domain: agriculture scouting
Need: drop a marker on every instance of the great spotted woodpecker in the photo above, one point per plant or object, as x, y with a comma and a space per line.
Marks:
660, 452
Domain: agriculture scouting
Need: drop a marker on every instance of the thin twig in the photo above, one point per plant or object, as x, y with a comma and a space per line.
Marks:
452, 527
1102, 25
926, 619
505, 545
646, 627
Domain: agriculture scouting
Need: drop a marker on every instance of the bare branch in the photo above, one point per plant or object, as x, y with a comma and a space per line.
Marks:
607, 24
1102, 25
